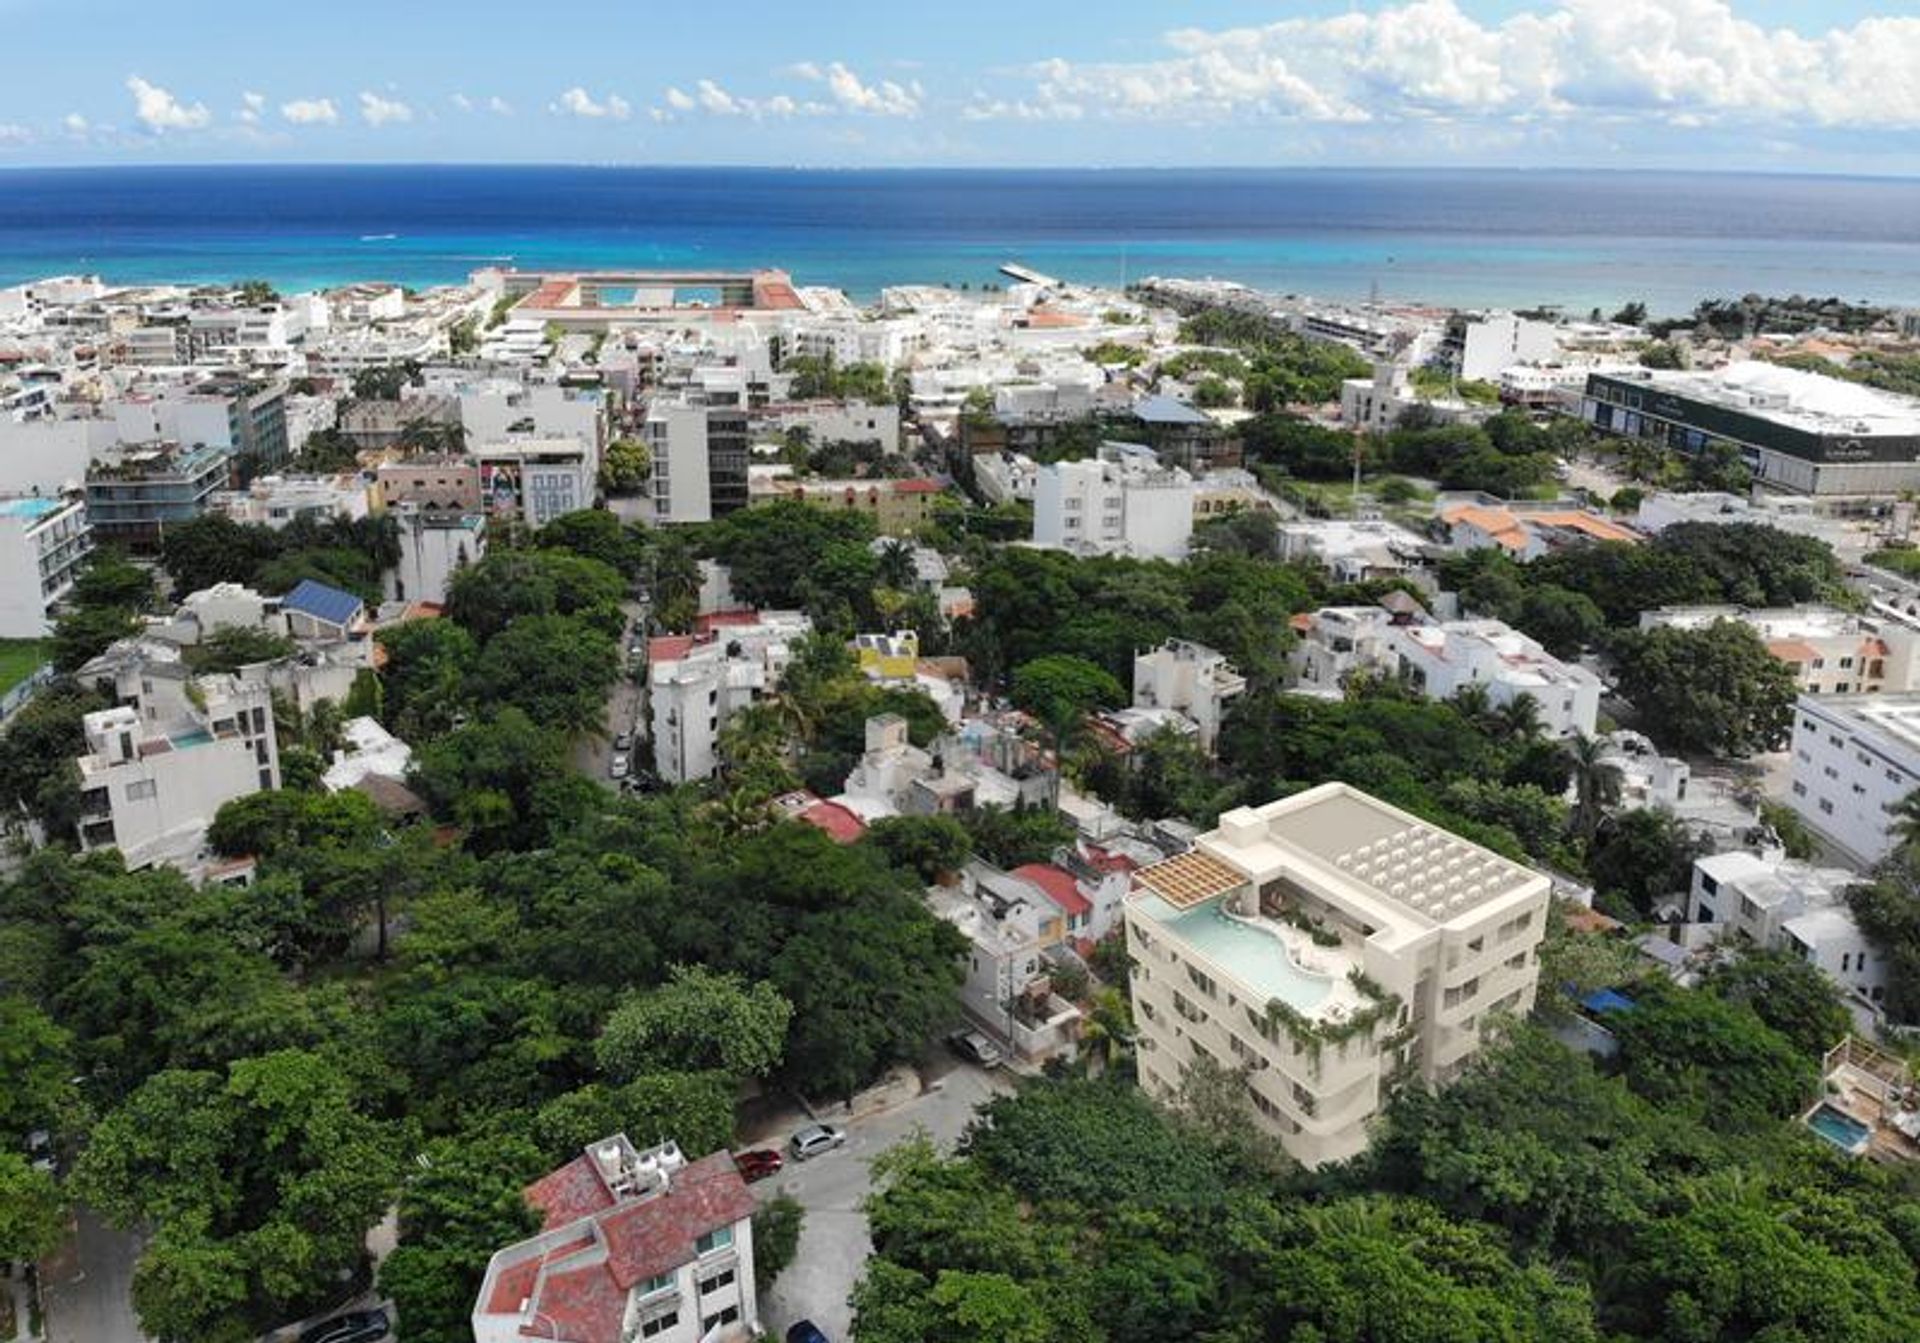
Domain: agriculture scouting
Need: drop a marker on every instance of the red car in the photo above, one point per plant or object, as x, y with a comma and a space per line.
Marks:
758, 1165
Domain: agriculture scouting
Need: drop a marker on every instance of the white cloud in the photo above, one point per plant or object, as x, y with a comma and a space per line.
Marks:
1674, 62
577, 102
461, 101
378, 111
883, 98
250, 113
311, 112
680, 102
74, 124
714, 99
499, 106
159, 110
13, 133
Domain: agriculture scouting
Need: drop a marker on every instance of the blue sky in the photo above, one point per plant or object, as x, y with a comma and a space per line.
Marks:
1826, 86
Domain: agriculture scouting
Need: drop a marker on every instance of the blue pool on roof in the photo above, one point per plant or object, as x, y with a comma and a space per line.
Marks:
30, 507
1255, 958
1840, 1129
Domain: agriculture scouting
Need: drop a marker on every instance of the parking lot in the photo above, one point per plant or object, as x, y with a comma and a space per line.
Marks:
832, 1188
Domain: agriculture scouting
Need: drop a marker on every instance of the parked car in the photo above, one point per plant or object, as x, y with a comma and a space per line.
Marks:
619, 767
758, 1164
362, 1326
806, 1332
976, 1048
623, 743
814, 1140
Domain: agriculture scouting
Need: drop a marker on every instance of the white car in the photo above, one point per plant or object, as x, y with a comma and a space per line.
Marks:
619, 767
814, 1140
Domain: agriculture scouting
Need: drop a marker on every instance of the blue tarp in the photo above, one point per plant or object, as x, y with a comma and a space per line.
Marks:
1602, 1001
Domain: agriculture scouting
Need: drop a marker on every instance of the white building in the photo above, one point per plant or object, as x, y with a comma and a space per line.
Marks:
1441, 659
1005, 477
536, 479
434, 546
1829, 651
633, 1245
1789, 906
1328, 941
1010, 925
276, 501
1376, 404
1852, 759
44, 544
1352, 552
1480, 347
370, 751
1337, 641
1123, 503
1191, 679
159, 767
695, 683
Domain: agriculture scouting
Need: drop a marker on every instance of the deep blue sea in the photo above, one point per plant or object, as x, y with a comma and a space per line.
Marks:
1465, 237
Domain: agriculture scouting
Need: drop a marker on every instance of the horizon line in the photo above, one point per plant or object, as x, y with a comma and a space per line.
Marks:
604, 165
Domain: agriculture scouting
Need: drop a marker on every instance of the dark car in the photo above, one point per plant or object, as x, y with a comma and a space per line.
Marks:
362, 1326
805, 1332
758, 1164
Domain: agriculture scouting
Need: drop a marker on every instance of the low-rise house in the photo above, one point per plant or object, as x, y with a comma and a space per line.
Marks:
368, 751
1335, 642
1441, 659
897, 507
1190, 679
1527, 534
888, 657
1328, 943
1353, 552
1783, 905
322, 614
277, 501
1647, 778
633, 1245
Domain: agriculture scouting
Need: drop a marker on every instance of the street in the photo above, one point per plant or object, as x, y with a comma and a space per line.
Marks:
592, 754
88, 1285
833, 1240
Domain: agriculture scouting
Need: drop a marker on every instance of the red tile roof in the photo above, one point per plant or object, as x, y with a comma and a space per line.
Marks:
916, 486
1057, 885
714, 620
583, 1304
840, 824
648, 1237
670, 647
1108, 861
568, 1194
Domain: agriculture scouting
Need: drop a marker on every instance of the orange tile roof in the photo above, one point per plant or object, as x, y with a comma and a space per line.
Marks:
1792, 650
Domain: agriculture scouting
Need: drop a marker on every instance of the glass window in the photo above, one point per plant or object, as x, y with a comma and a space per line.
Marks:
714, 1240
724, 1278
659, 1324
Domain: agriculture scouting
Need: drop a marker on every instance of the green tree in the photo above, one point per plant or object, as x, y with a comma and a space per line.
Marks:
1061, 689
697, 1020
425, 677
231, 647
82, 633
1641, 858
111, 580
776, 1238
33, 1216
1789, 995
1596, 784
1712, 1058
556, 668
925, 845
1716, 689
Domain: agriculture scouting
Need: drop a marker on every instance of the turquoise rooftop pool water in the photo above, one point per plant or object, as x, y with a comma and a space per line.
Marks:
1255, 958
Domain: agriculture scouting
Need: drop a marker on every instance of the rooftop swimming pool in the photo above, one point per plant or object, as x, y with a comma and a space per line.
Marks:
1842, 1130
1255, 958
198, 737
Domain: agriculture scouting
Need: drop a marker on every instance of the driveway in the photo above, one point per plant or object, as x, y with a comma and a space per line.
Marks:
88, 1285
833, 1239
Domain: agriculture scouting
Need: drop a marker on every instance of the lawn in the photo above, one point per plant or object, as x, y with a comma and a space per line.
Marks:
18, 660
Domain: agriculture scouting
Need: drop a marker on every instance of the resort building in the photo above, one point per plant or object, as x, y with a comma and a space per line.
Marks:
44, 544
633, 1245
1854, 758
1122, 503
1327, 941
1795, 430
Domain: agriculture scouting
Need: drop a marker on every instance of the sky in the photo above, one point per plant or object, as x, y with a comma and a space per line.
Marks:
1786, 85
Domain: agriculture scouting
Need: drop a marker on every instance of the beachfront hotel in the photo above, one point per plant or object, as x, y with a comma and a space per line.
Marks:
1326, 944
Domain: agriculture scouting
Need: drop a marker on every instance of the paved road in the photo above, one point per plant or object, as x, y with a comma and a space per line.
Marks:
833, 1241
591, 755
88, 1285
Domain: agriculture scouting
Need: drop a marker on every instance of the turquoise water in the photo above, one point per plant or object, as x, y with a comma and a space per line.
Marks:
195, 738
1256, 959
1843, 1131
1579, 239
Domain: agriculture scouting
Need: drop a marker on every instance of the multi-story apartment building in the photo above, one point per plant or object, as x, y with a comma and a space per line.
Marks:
1829, 651
696, 682
1854, 758
1188, 678
536, 479
134, 494
160, 765
1011, 924
1326, 942
699, 459
1124, 502
434, 547
247, 417
277, 501
1791, 907
432, 483
44, 544
634, 1247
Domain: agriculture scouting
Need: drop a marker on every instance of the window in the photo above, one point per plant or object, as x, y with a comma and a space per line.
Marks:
711, 1322
659, 1324
141, 789
1799, 789
714, 1240
1826, 807
652, 1285
724, 1278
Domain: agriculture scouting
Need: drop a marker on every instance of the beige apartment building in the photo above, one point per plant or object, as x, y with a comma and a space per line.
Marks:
1325, 943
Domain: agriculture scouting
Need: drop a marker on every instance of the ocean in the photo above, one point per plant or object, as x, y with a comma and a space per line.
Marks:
1469, 237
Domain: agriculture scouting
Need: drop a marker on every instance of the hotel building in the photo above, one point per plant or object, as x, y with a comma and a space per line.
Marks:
1326, 943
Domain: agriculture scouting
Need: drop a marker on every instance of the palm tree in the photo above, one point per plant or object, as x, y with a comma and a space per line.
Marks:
1596, 784
1518, 719
1106, 1031
1906, 820
896, 569
1472, 702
